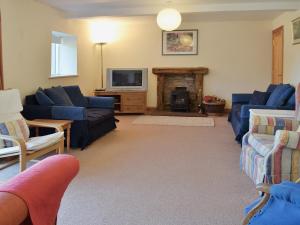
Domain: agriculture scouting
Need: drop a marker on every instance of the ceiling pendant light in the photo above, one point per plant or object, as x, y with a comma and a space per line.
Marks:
168, 19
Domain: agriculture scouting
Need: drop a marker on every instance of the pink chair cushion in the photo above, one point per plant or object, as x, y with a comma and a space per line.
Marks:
42, 186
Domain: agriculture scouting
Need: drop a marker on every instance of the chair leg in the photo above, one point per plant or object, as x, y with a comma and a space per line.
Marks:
61, 147
22, 162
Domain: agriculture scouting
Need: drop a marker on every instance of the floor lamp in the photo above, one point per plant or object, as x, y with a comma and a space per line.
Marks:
101, 64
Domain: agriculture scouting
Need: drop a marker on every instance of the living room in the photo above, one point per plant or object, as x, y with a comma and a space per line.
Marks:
153, 174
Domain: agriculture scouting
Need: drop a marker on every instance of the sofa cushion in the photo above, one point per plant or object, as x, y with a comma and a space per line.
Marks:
42, 98
236, 110
291, 100
59, 96
259, 98
262, 143
272, 87
76, 96
280, 95
96, 115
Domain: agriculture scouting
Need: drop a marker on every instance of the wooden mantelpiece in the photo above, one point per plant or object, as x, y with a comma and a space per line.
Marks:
179, 70
196, 72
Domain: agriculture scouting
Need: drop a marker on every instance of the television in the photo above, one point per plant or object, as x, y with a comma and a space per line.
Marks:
127, 79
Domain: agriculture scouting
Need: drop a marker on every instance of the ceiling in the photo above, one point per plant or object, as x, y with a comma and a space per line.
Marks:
94, 8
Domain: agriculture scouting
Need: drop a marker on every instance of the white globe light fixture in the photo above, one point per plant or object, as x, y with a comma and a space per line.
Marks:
168, 19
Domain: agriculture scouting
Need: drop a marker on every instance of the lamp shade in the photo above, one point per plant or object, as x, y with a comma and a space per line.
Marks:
168, 19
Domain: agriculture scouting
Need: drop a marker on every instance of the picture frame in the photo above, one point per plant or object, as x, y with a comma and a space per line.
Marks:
180, 42
296, 31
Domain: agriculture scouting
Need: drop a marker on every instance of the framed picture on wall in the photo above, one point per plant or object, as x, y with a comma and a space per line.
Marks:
180, 42
296, 31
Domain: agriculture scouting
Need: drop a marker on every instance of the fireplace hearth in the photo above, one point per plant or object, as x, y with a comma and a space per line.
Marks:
180, 100
170, 78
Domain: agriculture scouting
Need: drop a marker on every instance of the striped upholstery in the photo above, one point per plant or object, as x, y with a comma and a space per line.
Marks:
269, 125
17, 128
251, 162
264, 160
263, 143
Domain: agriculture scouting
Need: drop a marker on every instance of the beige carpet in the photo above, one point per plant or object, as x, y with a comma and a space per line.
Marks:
175, 121
158, 175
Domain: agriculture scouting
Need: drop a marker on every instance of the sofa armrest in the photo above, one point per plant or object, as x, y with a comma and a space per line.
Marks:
287, 139
101, 102
241, 98
269, 121
31, 112
68, 113
245, 113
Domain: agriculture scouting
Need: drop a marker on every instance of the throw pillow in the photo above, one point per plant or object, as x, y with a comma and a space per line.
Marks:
42, 98
280, 95
259, 98
76, 96
59, 96
272, 87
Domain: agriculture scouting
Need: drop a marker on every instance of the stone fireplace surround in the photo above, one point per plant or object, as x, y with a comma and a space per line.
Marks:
168, 78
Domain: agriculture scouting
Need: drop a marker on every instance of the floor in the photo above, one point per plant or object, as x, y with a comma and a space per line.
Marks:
157, 175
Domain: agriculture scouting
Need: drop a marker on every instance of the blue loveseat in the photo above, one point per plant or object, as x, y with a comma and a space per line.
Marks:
92, 116
281, 96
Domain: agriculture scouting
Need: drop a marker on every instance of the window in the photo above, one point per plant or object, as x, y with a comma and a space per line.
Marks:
63, 55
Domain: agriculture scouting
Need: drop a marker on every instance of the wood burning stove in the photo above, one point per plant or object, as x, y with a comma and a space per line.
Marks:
180, 100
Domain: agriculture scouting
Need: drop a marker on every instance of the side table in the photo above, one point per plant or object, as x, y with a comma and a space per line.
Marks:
65, 124
214, 108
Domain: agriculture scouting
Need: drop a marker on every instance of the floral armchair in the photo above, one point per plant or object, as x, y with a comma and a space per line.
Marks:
271, 148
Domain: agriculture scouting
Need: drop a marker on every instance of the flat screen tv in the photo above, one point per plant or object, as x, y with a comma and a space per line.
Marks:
127, 79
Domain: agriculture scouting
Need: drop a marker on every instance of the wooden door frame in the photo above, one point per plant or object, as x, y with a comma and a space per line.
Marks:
1, 58
281, 28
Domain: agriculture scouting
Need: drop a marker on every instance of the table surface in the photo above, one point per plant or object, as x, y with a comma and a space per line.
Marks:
213, 103
59, 122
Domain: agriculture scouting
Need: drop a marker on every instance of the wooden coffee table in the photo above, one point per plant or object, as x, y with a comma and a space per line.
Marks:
65, 124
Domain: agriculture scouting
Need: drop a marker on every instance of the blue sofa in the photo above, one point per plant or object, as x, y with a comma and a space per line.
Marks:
92, 116
281, 96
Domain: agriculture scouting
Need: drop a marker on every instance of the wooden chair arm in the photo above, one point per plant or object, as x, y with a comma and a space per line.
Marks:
265, 188
258, 207
19, 141
43, 124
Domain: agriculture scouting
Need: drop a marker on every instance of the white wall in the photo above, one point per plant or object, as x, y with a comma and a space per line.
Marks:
238, 54
26, 33
291, 66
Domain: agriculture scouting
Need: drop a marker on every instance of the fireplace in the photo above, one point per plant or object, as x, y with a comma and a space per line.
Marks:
180, 100
170, 78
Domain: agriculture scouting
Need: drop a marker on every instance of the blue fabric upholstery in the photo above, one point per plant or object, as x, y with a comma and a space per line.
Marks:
241, 98
271, 87
291, 101
245, 113
280, 95
76, 96
88, 123
101, 102
239, 115
282, 208
259, 98
68, 113
42, 98
59, 96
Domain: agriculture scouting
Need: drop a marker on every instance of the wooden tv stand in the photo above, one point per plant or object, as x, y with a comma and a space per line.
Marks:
127, 101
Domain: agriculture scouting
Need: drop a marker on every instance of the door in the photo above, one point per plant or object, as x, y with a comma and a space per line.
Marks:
277, 55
